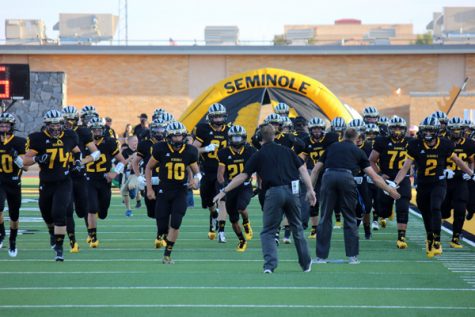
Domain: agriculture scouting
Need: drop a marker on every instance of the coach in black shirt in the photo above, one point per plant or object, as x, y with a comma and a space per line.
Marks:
342, 161
279, 168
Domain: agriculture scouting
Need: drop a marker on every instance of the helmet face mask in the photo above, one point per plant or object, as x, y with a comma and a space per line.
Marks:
6, 128
237, 136
97, 133
217, 115
317, 132
397, 132
54, 129
70, 123
176, 134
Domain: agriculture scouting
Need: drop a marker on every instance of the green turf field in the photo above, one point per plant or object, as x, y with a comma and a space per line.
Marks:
125, 276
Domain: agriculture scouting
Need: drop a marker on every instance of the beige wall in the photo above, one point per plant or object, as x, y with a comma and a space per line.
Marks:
123, 86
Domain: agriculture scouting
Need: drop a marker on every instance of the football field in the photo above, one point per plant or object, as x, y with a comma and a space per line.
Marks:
125, 276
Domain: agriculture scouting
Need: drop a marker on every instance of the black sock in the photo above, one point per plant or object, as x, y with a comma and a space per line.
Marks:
430, 236
240, 236
221, 225
338, 217
169, 248
314, 229
287, 231
51, 231
456, 235
401, 234
245, 220
72, 238
13, 234
437, 237
92, 233
367, 228
2, 229
59, 238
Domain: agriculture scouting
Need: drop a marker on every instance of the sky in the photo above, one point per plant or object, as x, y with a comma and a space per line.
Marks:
258, 20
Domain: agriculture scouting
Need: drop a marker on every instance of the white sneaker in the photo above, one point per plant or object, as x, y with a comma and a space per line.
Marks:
353, 260
268, 271
309, 267
1, 244
375, 225
12, 253
319, 261
221, 237
286, 240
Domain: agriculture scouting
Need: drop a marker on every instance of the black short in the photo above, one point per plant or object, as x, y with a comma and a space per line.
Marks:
54, 200
170, 208
80, 199
99, 192
12, 193
237, 200
314, 210
209, 188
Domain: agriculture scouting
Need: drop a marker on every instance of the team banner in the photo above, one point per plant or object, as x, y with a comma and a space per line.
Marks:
306, 96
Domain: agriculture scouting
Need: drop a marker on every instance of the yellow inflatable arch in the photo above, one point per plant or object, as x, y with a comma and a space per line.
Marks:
244, 94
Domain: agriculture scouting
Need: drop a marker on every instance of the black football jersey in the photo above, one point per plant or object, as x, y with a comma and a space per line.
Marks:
59, 151
206, 135
173, 164
234, 161
430, 161
314, 149
465, 150
109, 148
9, 171
85, 137
144, 150
392, 154
291, 141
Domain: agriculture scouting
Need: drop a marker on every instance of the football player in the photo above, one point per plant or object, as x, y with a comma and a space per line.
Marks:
208, 139
383, 125
79, 201
100, 175
315, 145
443, 120
51, 149
87, 113
372, 131
457, 187
231, 163
173, 158
430, 153
387, 158
370, 115
12, 149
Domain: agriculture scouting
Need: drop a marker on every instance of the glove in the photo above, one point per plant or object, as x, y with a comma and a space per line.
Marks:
448, 173
391, 184
369, 180
155, 180
358, 179
211, 147
141, 182
466, 177
42, 159
78, 166
16, 159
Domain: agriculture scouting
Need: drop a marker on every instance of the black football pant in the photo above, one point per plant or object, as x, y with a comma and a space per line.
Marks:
99, 192
402, 204
237, 200
429, 201
170, 209
12, 193
54, 201
456, 199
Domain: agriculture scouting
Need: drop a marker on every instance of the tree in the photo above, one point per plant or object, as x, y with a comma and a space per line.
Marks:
424, 39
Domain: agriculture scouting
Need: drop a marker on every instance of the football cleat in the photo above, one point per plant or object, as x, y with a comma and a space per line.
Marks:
469, 215
455, 243
382, 223
437, 248
337, 225
221, 237
286, 240
242, 246
74, 248
167, 260
401, 243
160, 243
375, 225
88, 239
59, 254
12, 252
212, 235
429, 249
94, 244
313, 234
247, 231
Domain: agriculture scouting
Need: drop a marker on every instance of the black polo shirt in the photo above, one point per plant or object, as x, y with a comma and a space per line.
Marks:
277, 165
345, 155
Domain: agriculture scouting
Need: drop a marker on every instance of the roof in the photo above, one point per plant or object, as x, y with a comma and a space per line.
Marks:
236, 50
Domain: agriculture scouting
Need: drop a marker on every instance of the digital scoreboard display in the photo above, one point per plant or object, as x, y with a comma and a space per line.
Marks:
14, 81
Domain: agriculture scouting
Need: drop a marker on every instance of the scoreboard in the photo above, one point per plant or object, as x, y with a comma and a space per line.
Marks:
14, 81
